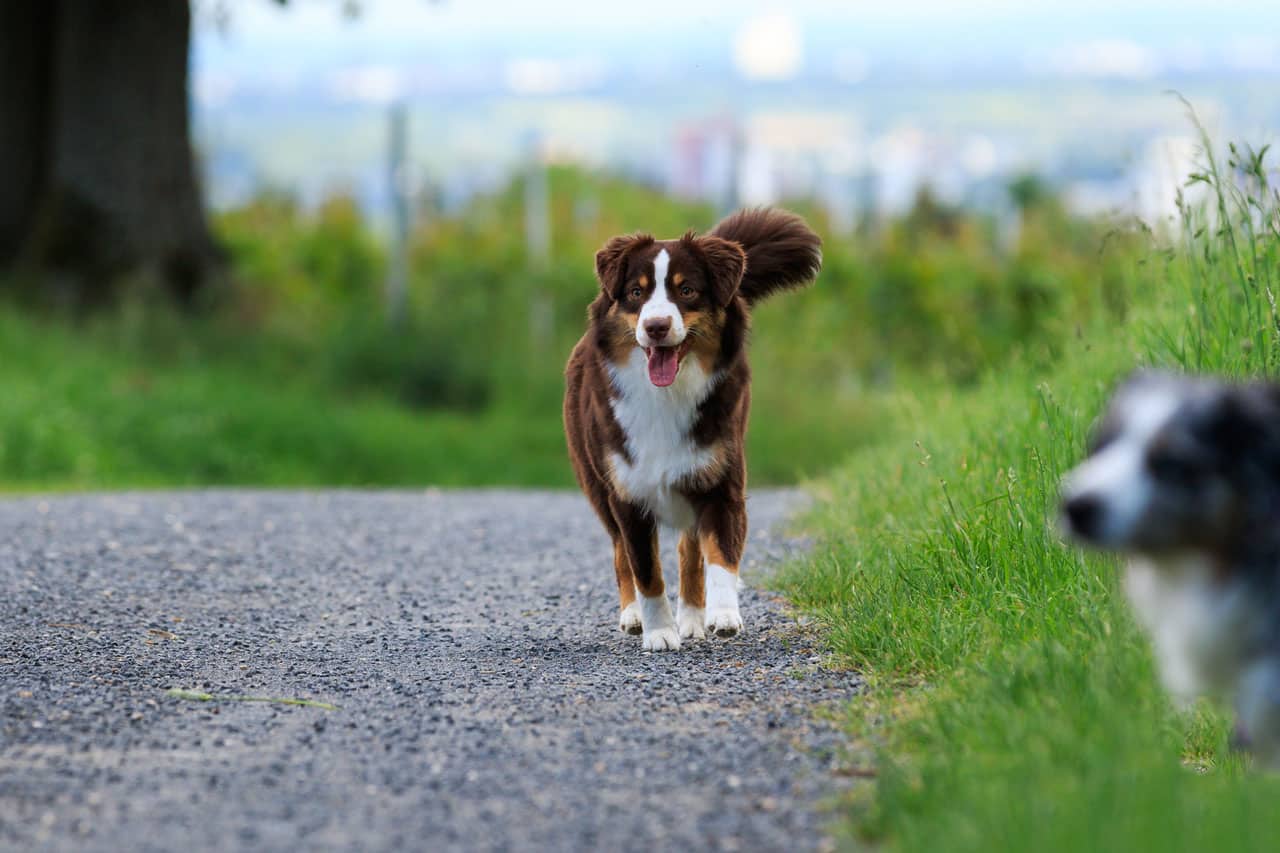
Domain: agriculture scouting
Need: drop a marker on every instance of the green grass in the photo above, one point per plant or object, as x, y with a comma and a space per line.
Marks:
84, 408
79, 413
1013, 705
290, 375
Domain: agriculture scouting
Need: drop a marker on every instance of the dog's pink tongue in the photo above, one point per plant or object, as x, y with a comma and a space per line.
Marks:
663, 365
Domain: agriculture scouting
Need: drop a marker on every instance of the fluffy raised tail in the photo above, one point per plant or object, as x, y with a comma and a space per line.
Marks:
783, 253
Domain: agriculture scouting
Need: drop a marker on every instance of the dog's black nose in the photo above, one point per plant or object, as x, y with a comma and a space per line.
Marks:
657, 328
1084, 514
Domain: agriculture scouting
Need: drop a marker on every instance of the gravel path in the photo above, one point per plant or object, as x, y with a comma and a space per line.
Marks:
487, 699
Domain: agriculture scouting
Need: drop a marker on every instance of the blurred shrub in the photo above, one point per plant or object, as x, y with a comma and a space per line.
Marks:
939, 294
314, 280
940, 291
421, 366
302, 273
949, 294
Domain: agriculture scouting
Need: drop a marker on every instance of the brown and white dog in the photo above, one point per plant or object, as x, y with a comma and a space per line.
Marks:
656, 404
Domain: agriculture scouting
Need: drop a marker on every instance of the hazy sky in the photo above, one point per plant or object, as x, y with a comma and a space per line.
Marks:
939, 33
390, 18
613, 81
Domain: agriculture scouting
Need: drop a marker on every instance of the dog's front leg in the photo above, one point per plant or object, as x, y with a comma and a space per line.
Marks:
722, 533
640, 542
691, 614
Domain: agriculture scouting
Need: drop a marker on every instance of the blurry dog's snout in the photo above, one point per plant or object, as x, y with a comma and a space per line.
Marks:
657, 328
1084, 514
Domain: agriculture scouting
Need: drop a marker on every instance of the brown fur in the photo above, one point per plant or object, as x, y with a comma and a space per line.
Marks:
692, 571
622, 568
748, 256
711, 542
782, 252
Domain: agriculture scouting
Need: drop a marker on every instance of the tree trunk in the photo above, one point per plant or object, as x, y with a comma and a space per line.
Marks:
26, 30
116, 186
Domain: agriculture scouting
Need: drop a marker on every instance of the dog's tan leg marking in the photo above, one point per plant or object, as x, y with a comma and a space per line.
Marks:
711, 550
691, 607
629, 611
721, 616
692, 589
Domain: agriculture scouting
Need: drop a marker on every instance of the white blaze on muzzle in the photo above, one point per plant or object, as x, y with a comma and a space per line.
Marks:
1116, 476
660, 307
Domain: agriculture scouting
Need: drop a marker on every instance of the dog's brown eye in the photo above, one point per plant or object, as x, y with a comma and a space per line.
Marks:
636, 293
686, 291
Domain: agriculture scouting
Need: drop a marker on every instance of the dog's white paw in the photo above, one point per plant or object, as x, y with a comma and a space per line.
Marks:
690, 621
661, 640
724, 621
722, 601
629, 620
660, 633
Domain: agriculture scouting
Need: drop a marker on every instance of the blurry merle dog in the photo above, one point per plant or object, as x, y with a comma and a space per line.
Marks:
1183, 476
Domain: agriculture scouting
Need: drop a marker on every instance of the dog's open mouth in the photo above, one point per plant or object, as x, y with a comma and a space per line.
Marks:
664, 363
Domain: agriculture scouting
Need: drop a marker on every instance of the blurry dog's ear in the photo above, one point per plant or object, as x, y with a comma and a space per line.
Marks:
1244, 426
725, 263
611, 261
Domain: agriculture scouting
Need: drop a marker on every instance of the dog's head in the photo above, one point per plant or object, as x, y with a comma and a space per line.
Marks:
1178, 464
666, 295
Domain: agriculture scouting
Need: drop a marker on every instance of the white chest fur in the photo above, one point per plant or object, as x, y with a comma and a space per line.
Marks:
1201, 626
656, 422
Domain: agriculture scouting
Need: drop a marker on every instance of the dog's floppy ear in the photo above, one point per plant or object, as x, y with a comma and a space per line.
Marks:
611, 261
725, 262
1244, 425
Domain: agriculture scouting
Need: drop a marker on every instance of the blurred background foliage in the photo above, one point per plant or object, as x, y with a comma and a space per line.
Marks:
292, 373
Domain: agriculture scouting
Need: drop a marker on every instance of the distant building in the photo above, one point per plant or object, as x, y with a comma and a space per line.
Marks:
767, 157
1160, 174
704, 161
1148, 189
